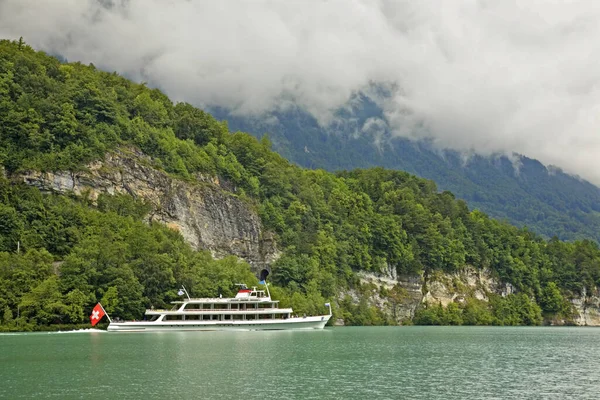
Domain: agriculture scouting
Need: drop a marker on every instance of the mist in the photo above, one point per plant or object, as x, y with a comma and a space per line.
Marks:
483, 76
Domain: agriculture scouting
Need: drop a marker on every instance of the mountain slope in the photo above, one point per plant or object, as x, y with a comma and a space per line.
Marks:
335, 234
521, 190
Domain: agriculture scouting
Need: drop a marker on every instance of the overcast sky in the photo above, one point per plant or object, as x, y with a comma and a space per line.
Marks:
491, 76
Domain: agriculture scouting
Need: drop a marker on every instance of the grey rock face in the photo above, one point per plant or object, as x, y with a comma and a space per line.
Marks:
412, 291
406, 293
206, 215
587, 309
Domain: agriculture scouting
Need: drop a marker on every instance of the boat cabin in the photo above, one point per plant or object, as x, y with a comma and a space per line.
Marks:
251, 294
248, 304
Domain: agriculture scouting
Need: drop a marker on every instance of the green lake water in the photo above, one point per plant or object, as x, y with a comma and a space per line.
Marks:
336, 363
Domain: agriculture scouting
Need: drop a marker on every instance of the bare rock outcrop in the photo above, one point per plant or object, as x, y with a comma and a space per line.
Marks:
208, 216
587, 309
405, 294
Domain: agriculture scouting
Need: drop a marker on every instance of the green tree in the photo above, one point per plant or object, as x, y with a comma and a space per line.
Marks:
551, 300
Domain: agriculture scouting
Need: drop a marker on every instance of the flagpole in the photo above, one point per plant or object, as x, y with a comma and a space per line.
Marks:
105, 313
186, 292
328, 305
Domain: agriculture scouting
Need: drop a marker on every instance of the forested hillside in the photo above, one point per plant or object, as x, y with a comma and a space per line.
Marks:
522, 191
73, 252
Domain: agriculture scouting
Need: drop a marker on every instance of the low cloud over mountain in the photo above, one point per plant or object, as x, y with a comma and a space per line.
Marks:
474, 75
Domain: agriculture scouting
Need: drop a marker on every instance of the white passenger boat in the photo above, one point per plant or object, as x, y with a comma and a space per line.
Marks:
250, 309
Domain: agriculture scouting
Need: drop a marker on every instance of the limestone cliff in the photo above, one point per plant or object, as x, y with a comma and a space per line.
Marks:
408, 293
203, 211
587, 309
412, 291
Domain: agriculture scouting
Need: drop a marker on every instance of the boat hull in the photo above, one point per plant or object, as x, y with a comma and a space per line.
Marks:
304, 323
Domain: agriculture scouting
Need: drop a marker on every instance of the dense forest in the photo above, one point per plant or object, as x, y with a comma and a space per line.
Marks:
59, 255
520, 190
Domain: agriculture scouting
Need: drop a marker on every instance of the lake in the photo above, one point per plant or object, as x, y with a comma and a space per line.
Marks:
336, 363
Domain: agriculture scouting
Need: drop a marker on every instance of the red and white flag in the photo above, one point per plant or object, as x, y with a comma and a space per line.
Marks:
97, 314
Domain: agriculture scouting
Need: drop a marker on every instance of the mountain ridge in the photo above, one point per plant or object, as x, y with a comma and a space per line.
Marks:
519, 189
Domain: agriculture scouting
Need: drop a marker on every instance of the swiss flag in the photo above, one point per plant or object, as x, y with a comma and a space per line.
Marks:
97, 314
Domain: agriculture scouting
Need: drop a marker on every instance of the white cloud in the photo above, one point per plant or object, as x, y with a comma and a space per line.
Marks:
490, 76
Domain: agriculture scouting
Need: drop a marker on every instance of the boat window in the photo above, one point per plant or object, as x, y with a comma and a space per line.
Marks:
173, 317
220, 306
206, 317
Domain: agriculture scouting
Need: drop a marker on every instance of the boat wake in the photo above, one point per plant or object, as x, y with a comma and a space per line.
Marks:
78, 331
91, 330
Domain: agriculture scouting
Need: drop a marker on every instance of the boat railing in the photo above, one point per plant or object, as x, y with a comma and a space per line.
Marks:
227, 300
232, 309
218, 310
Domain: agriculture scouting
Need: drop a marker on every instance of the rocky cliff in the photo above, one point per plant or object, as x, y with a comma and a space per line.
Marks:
587, 309
409, 292
412, 291
204, 211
